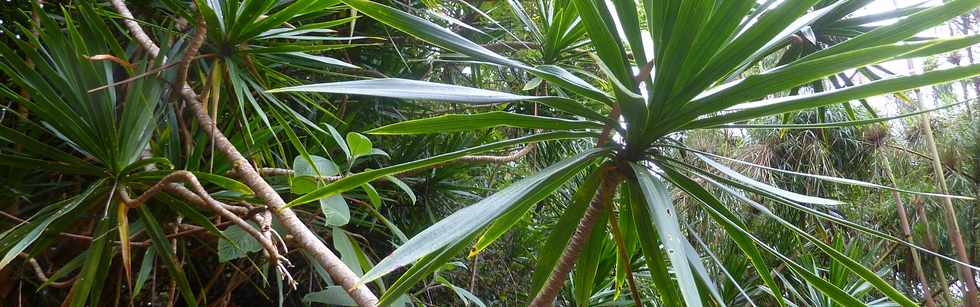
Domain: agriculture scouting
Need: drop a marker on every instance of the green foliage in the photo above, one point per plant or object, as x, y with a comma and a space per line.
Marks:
741, 173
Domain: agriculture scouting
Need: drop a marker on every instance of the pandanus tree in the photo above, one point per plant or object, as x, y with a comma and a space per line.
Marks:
114, 117
104, 102
685, 73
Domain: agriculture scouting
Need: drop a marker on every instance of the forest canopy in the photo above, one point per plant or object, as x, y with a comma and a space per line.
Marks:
489, 153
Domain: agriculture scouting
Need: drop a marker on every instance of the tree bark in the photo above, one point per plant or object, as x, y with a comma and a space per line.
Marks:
303, 235
546, 297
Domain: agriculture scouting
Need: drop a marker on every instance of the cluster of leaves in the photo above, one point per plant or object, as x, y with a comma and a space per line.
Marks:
629, 105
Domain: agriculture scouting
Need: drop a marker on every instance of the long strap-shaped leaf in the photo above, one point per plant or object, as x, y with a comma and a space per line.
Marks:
18, 238
771, 189
816, 213
733, 226
465, 122
423, 269
690, 17
794, 103
93, 273
469, 220
429, 32
422, 90
724, 270
704, 155
829, 289
793, 75
162, 247
356, 180
902, 29
571, 82
409, 89
665, 219
649, 241
440, 36
840, 124
769, 29
849, 263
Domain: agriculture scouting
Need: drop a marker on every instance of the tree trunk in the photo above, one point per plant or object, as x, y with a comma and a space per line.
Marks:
607, 187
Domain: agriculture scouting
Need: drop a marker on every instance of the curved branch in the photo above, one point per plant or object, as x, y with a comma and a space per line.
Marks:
513, 156
303, 235
200, 33
208, 201
192, 197
39, 272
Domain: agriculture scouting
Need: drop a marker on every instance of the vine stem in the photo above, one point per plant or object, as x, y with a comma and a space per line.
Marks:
303, 235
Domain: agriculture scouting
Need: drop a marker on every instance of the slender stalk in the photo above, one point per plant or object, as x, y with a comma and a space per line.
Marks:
475, 269
949, 214
303, 235
625, 258
930, 241
903, 221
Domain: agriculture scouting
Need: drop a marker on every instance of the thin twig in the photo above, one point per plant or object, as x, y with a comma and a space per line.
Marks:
210, 202
499, 159
144, 74
39, 272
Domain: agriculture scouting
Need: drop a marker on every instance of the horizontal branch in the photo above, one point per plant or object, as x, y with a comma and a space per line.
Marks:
200, 194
